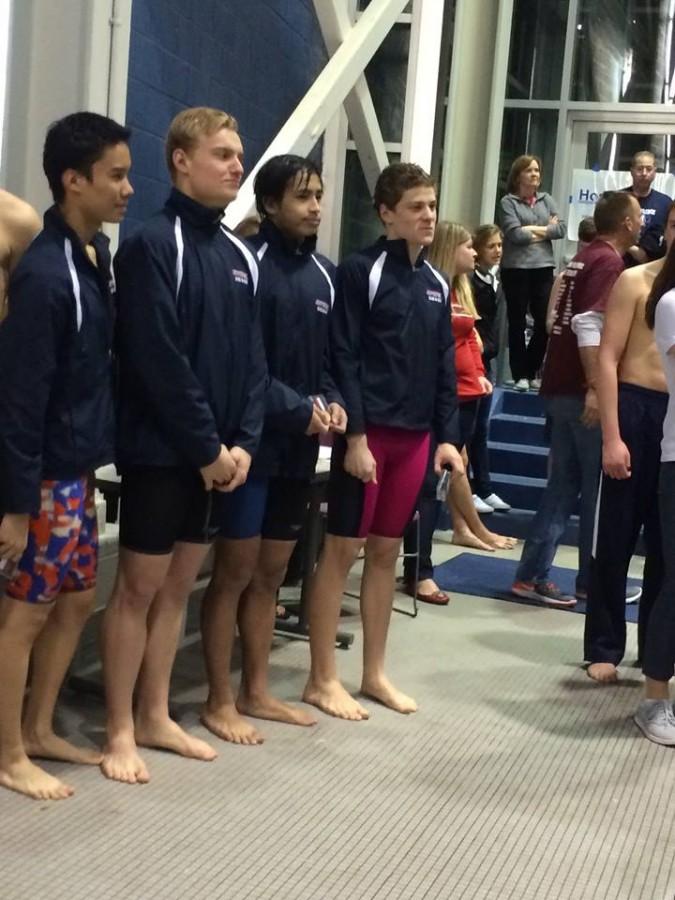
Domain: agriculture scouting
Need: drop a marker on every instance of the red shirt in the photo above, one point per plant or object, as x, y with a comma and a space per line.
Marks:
586, 284
468, 358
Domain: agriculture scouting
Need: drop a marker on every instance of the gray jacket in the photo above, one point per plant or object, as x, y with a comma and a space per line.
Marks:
520, 252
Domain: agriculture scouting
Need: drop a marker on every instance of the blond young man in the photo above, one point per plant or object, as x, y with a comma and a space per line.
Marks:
192, 379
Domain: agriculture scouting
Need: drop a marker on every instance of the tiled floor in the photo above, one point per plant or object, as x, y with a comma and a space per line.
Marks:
518, 778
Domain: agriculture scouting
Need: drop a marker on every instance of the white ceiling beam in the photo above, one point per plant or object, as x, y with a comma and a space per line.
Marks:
322, 101
335, 25
423, 67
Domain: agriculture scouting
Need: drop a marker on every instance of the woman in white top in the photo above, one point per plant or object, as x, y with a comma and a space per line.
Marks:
655, 715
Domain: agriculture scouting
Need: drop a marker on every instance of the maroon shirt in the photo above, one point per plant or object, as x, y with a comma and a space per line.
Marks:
586, 284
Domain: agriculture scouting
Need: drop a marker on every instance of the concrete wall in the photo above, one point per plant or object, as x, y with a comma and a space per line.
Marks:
253, 58
48, 59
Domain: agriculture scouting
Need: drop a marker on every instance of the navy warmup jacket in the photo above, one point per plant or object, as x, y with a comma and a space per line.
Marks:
296, 297
56, 403
190, 356
392, 347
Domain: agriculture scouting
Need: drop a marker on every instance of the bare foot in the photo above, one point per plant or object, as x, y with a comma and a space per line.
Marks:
333, 699
469, 539
122, 762
605, 673
51, 746
268, 707
227, 724
502, 541
25, 777
427, 586
385, 692
168, 735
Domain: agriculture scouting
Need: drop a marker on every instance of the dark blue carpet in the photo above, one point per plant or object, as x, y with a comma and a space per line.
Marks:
490, 576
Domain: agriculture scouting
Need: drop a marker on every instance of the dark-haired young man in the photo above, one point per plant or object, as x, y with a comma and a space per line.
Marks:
392, 357
296, 296
568, 387
56, 427
192, 380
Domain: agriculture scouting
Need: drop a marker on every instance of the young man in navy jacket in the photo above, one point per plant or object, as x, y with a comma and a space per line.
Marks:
392, 356
191, 400
56, 427
296, 296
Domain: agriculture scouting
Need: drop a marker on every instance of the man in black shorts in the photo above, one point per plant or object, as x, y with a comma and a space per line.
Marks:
296, 295
192, 379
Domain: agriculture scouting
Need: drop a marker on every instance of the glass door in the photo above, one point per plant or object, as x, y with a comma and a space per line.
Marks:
600, 160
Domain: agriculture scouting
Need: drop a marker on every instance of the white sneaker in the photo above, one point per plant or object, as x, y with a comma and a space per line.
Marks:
522, 384
496, 502
656, 720
481, 505
535, 384
633, 594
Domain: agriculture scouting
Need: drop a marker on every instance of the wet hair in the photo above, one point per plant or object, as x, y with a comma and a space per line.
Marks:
77, 142
518, 166
395, 180
611, 209
191, 124
483, 234
664, 281
275, 176
442, 252
587, 232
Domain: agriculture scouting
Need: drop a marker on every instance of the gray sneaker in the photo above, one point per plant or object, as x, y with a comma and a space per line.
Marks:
656, 720
550, 594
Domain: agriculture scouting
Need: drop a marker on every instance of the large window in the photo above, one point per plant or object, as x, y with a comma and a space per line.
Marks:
624, 51
537, 49
528, 131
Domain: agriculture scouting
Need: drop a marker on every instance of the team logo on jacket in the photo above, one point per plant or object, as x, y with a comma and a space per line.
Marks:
240, 276
434, 296
322, 306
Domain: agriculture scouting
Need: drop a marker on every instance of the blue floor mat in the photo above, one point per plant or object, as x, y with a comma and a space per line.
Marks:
490, 576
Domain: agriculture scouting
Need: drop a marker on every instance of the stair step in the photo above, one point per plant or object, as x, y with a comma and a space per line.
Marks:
519, 491
522, 403
507, 428
518, 459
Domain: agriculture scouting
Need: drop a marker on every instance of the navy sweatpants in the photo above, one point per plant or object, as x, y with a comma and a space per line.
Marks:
623, 508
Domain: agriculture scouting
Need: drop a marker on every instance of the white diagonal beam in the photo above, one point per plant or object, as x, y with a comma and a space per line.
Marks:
335, 26
310, 117
421, 87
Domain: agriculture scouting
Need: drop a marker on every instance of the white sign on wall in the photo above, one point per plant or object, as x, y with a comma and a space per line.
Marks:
588, 185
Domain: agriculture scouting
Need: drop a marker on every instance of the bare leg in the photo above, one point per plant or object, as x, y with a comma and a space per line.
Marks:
377, 594
20, 625
257, 611
125, 634
232, 571
605, 673
153, 726
468, 522
52, 654
323, 688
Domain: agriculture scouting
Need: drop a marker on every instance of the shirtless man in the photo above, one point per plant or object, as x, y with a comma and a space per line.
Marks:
19, 223
632, 400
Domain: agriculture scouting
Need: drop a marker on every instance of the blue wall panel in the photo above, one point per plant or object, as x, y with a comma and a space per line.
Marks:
253, 58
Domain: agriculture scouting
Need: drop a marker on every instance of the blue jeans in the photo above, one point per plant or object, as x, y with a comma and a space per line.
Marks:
574, 473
